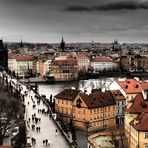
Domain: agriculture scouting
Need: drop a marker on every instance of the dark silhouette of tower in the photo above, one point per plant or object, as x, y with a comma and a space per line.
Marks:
62, 45
3, 56
21, 44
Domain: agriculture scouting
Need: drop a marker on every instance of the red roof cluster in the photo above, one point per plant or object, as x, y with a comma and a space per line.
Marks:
141, 122
139, 105
130, 86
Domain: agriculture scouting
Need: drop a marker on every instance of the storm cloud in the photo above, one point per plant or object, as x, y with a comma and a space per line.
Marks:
114, 6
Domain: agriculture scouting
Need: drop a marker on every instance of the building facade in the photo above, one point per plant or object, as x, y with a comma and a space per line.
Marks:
64, 69
131, 62
101, 63
87, 112
120, 101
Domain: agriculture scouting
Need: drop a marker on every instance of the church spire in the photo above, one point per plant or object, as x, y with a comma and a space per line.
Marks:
62, 45
21, 44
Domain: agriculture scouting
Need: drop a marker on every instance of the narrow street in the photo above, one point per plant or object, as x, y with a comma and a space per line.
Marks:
42, 127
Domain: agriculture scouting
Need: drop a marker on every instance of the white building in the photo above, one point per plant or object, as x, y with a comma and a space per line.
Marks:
22, 65
102, 63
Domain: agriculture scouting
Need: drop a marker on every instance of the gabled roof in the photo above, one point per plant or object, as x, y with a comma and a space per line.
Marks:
118, 95
68, 94
98, 99
139, 105
130, 86
141, 122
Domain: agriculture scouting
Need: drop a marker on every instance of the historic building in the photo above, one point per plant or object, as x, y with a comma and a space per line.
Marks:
131, 62
64, 103
136, 119
24, 66
64, 68
87, 112
102, 63
3, 56
83, 60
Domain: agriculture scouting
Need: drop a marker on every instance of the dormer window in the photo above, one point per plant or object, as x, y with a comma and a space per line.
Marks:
79, 103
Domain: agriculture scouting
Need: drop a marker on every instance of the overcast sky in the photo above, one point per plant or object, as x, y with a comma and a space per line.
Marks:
75, 20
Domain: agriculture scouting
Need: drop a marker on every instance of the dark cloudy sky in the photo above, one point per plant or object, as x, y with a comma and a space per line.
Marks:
76, 20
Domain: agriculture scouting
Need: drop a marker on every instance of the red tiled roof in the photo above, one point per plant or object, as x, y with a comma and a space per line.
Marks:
102, 59
82, 54
24, 58
139, 105
130, 86
68, 94
141, 122
98, 99
118, 95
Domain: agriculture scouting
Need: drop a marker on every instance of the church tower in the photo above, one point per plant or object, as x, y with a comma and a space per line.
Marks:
62, 45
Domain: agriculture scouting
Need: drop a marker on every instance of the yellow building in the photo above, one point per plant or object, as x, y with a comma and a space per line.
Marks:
88, 112
64, 103
94, 111
64, 69
136, 119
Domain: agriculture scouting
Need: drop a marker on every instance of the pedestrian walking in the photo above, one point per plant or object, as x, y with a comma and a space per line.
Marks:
46, 142
56, 132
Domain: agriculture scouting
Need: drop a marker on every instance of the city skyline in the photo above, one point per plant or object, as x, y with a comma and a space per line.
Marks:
77, 21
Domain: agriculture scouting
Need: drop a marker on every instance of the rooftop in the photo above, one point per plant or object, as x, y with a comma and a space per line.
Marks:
98, 99
118, 95
141, 122
139, 105
68, 94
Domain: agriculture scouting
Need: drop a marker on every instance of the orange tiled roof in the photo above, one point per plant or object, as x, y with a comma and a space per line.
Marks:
144, 85
101, 59
118, 95
130, 86
141, 122
139, 105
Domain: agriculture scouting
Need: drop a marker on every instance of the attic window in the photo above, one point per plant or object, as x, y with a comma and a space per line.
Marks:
126, 86
79, 103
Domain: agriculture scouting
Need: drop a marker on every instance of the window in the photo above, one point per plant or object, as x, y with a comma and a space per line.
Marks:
83, 117
146, 146
146, 135
62, 101
66, 102
83, 111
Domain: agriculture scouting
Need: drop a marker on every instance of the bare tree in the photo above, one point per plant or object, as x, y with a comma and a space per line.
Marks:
8, 110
